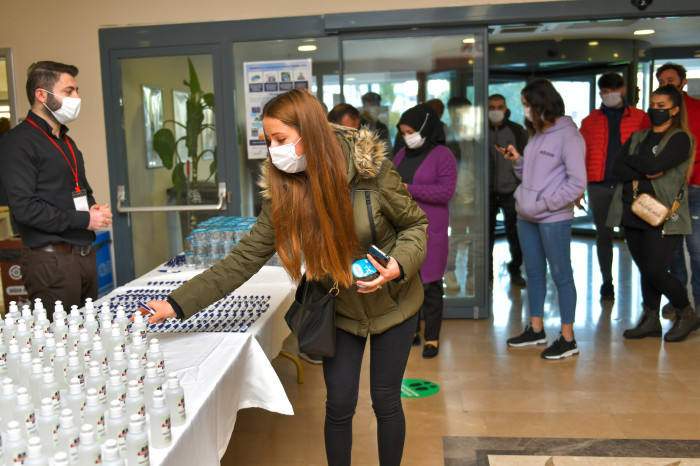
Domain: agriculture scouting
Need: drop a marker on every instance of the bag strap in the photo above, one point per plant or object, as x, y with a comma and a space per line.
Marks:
368, 202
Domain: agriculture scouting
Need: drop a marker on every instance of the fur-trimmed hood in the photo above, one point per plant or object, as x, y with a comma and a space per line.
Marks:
364, 153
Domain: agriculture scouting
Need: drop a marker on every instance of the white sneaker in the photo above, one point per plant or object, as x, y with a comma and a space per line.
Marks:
450, 280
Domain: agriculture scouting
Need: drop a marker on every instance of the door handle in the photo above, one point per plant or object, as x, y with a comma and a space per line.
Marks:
121, 200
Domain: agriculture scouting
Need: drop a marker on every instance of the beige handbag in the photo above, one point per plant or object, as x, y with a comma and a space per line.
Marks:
650, 209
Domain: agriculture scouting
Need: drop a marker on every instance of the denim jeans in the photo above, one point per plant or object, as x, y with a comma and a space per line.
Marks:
692, 242
542, 244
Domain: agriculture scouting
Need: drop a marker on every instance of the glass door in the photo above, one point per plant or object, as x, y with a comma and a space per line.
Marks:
165, 176
411, 68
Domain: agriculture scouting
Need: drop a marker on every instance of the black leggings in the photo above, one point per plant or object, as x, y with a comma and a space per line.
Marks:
652, 252
388, 357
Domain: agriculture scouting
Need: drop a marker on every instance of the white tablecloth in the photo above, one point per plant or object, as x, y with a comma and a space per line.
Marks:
223, 372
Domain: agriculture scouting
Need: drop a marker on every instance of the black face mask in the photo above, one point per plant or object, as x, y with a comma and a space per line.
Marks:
659, 116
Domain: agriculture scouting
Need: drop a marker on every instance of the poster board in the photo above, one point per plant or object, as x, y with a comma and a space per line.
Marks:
264, 80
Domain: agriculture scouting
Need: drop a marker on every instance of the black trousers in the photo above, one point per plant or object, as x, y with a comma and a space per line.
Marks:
505, 202
652, 252
52, 276
388, 357
431, 309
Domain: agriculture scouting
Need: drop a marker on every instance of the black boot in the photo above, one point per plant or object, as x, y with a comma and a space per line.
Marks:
686, 321
649, 325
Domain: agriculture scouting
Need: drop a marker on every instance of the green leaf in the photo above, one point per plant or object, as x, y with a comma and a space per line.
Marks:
165, 146
209, 100
179, 177
194, 80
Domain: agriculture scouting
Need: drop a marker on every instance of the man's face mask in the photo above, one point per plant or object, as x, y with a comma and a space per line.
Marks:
68, 110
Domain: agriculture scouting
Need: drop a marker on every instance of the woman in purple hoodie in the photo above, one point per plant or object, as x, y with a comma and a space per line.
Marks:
429, 171
553, 174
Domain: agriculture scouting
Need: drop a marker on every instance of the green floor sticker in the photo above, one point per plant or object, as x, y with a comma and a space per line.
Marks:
417, 388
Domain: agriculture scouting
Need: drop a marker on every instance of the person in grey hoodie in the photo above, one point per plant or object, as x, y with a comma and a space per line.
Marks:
552, 171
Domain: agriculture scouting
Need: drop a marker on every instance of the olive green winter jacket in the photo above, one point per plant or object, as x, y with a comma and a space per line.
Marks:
399, 230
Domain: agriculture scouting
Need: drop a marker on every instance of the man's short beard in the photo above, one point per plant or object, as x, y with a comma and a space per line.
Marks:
52, 103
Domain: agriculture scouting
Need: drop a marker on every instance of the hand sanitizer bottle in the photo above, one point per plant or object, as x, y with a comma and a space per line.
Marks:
138, 346
175, 399
137, 442
94, 414
116, 388
119, 362
28, 316
48, 424
38, 342
42, 321
60, 365
75, 399
110, 454
84, 346
23, 335
135, 403
68, 436
135, 370
75, 368
117, 338
151, 383
117, 425
91, 325
36, 377
24, 367
75, 316
8, 400
49, 389
59, 329
58, 311
154, 354
73, 336
9, 329
49, 350
98, 381
161, 437
14, 310
122, 321
24, 413
89, 452
35, 457
139, 326
99, 354
13, 360
15, 446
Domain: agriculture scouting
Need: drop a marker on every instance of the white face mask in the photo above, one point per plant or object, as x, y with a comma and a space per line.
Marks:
611, 99
496, 116
69, 110
286, 159
414, 140
528, 113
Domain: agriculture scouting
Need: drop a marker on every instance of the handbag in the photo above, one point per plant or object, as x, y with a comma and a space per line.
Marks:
650, 209
311, 317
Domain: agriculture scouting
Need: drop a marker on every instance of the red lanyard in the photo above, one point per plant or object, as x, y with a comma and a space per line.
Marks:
74, 171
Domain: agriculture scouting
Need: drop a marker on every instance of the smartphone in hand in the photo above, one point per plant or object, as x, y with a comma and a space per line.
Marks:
379, 255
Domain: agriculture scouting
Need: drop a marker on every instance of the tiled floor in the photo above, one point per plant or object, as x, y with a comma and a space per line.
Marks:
615, 389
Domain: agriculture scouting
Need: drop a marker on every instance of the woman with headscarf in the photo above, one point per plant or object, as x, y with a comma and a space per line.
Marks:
429, 170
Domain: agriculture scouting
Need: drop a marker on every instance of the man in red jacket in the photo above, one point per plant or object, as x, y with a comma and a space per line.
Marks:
605, 130
672, 73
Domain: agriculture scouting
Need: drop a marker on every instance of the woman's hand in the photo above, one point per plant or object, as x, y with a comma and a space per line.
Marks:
510, 152
163, 311
387, 274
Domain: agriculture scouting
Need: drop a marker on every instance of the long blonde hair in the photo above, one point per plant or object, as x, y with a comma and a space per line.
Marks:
311, 210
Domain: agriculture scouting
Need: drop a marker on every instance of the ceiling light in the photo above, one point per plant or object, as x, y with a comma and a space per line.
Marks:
500, 48
307, 48
616, 55
351, 78
468, 40
593, 43
643, 32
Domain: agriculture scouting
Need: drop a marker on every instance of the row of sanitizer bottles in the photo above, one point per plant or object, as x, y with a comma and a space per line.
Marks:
83, 390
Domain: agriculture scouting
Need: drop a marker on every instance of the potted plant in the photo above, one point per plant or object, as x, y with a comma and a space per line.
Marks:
186, 188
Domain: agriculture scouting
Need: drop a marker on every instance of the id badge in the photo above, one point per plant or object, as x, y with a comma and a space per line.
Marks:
81, 202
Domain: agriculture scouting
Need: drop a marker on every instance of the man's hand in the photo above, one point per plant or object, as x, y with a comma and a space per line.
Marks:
580, 202
100, 217
163, 311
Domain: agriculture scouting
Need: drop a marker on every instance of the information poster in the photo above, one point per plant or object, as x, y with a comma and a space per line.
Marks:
264, 80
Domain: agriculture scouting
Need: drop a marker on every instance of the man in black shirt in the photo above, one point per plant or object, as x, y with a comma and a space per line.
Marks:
43, 176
